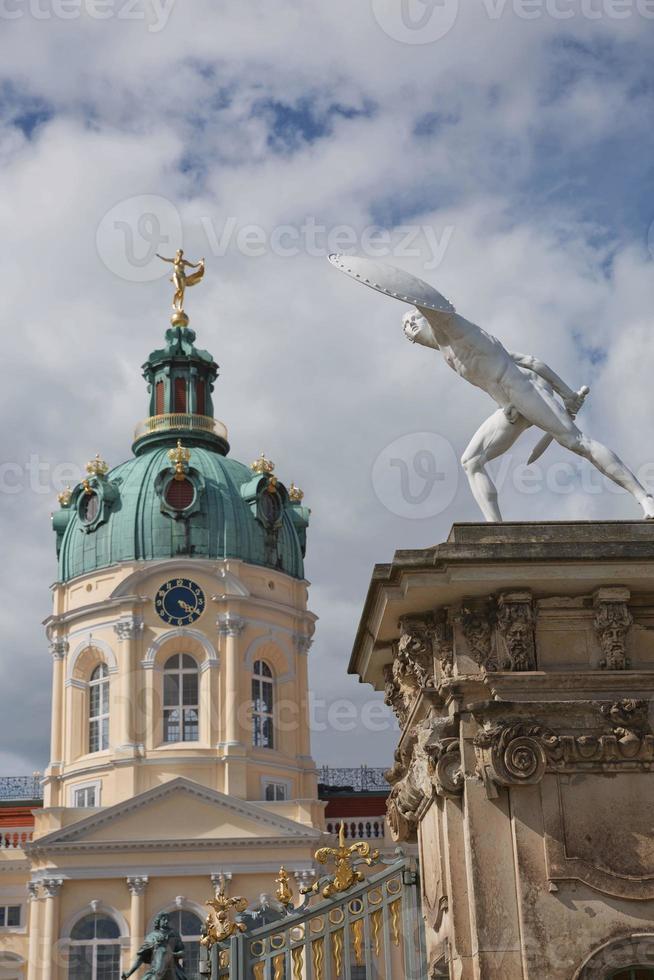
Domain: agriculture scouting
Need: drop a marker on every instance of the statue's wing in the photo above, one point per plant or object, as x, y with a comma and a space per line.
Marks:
392, 282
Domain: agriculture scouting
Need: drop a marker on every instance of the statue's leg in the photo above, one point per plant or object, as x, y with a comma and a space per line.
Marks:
493, 438
543, 410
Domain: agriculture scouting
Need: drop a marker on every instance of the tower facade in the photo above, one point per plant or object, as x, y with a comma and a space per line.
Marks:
180, 627
180, 632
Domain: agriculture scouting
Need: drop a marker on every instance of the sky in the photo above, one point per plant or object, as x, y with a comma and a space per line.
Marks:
500, 149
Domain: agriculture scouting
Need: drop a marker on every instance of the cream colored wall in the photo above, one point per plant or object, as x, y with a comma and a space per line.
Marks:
97, 619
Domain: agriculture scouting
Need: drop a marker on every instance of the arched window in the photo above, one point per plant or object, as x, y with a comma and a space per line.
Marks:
94, 949
99, 709
634, 973
189, 926
263, 687
181, 708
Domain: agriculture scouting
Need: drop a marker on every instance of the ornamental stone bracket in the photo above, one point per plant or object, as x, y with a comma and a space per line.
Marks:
425, 641
612, 624
478, 624
428, 764
519, 753
516, 623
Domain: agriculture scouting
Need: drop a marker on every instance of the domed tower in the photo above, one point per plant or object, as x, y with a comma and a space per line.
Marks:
180, 627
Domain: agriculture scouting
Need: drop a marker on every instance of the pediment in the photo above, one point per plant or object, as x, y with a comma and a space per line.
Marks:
179, 811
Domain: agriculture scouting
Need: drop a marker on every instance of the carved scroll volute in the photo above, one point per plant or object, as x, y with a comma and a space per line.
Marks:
515, 754
516, 623
612, 623
446, 768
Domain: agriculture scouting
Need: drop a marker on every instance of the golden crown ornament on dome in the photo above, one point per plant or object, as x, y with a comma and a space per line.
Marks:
295, 495
262, 465
179, 457
97, 466
65, 497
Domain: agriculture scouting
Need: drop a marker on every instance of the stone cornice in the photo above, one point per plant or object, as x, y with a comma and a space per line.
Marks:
311, 838
64, 619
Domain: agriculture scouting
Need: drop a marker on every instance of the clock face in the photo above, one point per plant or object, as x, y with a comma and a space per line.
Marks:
180, 602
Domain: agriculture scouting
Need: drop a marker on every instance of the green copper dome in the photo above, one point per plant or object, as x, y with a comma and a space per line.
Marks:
180, 495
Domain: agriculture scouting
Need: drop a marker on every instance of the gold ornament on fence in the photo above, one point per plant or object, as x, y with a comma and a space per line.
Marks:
345, 874
284, 892
179, 457
220, 923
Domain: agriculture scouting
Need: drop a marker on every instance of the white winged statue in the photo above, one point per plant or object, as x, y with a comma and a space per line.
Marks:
526, 390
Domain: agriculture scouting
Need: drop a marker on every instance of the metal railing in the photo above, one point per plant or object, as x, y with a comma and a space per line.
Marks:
359, 828
180, 421
15, 838
372, 932
361, 780
21, 787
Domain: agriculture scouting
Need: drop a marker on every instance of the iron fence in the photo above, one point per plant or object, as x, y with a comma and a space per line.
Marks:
21, 787
360, 780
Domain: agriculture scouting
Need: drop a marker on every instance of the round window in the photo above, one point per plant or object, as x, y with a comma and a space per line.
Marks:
180, 494
89, 507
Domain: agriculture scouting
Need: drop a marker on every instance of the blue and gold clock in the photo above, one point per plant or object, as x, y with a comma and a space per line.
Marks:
180, 602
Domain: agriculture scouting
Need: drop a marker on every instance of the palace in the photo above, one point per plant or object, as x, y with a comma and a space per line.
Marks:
180, 754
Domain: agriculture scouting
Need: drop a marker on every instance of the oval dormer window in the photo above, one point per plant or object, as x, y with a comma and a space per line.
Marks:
270, 507
180, 494
89, 507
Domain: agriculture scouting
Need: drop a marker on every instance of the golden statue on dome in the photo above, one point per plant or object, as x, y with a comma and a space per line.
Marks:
181, 282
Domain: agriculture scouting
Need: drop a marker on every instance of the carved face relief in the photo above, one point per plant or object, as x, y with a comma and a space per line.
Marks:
612, 623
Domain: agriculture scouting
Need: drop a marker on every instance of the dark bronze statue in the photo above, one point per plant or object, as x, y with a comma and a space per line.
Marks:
161, 951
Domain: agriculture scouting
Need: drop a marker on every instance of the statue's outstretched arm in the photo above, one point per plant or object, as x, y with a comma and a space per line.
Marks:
138, 963
164, 259
544, 371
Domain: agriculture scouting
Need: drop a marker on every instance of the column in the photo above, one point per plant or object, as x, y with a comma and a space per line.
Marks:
58, 649
127, 629
33, 928
231, 628
302, 646
51, 888
137, 886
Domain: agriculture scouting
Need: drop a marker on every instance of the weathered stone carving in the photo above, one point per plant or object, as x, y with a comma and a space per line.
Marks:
515, 625
428, 763
413, 666
519, 753
477, 624
612, 624
443, 642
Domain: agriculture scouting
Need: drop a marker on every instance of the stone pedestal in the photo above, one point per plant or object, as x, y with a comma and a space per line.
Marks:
519, 659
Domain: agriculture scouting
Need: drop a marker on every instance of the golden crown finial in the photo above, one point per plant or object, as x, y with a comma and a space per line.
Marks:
65, 497
179, 457
262, 465
97, 466
295, 495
